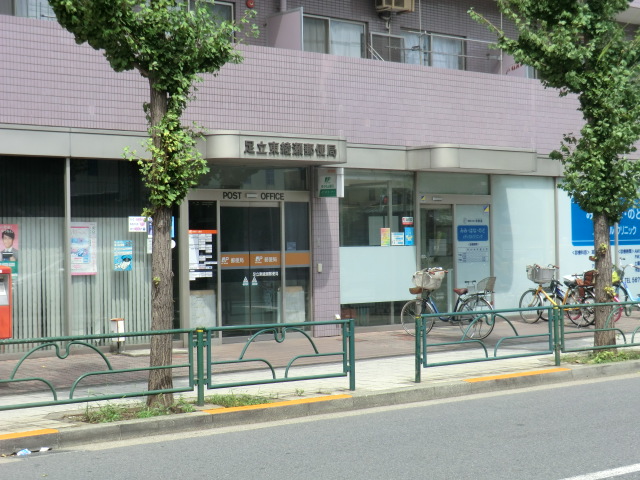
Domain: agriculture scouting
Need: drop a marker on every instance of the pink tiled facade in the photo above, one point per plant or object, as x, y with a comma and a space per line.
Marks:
48, 82
284, 91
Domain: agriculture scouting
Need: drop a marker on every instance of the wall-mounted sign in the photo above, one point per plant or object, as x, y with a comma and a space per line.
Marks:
281, 149
137, 224
330, 182
290, 149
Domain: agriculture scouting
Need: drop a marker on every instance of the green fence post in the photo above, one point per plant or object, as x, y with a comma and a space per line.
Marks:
556, 317
418, 359
352, 355
200, 365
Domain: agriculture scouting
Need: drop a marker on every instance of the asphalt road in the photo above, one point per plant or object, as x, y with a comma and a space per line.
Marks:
584, 431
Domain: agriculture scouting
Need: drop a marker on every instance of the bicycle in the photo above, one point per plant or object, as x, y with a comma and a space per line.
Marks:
622, 288
587, 283
428, 280
554, 295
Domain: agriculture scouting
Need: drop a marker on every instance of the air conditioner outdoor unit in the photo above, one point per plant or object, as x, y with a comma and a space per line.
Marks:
397, 6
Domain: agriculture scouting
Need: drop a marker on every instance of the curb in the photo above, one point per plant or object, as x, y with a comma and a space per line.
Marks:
83, 434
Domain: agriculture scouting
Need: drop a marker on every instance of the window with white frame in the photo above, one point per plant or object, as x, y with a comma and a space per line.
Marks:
443, 51
326, 35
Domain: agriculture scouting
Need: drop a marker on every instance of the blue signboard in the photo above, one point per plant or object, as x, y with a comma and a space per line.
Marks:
473, 233
582, 227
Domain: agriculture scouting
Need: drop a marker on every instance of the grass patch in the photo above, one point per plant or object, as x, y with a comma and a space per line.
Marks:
237, 400
603, 356
113, 412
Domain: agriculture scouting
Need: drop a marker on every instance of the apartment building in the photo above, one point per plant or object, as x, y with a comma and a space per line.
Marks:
359, 140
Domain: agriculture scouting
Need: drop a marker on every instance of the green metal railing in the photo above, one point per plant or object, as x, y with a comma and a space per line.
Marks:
85, 373
555, 336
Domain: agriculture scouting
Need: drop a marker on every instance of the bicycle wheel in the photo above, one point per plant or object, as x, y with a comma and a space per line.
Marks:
552, 301
588, 310
411, 310
530, 299
477, 325
623, 296
408, 314
574, 314
617, 311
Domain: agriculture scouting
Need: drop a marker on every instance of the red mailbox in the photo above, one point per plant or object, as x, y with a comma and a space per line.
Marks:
6, 320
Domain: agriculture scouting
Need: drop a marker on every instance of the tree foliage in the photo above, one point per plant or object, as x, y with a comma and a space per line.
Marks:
579, 48
170, 45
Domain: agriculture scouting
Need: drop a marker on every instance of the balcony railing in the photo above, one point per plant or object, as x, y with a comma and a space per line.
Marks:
446, 51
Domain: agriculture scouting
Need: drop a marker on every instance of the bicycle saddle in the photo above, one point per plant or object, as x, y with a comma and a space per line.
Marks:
460, 291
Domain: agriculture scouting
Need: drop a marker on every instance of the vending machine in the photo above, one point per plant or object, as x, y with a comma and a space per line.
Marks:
6, 320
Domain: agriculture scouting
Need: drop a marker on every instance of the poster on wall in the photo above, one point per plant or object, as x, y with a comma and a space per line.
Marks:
122, 255
472, 242
84, 243
9, 247
385, 237
202, 257
397, 238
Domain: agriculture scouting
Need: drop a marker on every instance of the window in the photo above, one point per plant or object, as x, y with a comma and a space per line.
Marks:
33, 9
374, 200
325, 35
443, 51
218, 10
387, 48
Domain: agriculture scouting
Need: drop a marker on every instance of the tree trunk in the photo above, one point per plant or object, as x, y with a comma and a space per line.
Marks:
161, 278
602, 247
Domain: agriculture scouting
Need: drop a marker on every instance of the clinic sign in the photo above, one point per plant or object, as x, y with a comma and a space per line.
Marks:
582, 227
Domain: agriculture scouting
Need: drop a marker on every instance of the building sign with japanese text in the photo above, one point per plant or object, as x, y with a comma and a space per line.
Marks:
279, 149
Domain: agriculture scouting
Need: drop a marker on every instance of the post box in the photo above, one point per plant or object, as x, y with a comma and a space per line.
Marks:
6, 319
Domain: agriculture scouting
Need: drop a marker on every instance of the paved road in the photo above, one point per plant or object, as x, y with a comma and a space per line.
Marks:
559, 432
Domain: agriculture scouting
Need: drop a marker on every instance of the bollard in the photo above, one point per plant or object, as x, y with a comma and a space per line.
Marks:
117, 326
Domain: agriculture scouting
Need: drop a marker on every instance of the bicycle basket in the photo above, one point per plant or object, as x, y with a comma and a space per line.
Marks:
486, 284
589, 278
428, 279
538, 274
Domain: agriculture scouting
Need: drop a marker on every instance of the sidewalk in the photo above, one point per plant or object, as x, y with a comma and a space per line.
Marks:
385, 373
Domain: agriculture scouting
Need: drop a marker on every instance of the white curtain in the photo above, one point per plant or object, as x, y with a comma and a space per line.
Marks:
346, 39
413, 48
315, 35
446, 52
34, 9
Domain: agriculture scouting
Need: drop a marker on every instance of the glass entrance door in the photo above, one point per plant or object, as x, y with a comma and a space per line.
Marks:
436, 232
456, 238
250, 264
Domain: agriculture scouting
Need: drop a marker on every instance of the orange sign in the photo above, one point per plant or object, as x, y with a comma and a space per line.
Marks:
298, 259
265, 259
234, 260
